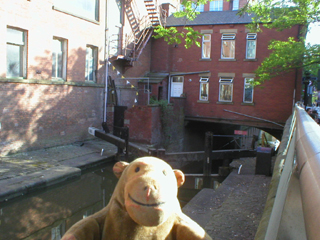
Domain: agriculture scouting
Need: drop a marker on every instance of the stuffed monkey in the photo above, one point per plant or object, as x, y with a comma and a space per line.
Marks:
144, 206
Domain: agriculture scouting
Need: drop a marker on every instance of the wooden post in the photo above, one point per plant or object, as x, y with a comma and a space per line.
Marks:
207, 163
152, 152
161, 153
126, 138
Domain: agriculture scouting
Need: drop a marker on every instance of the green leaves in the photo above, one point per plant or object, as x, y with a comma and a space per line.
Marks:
172, 36
273, 14
286, 55
190, 36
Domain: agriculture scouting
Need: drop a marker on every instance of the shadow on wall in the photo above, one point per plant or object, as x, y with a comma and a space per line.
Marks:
48, 113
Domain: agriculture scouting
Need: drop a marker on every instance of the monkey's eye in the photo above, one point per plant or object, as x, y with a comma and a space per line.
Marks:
164, 172
137, 169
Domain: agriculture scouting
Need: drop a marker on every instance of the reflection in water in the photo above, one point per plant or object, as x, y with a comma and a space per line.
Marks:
46, 215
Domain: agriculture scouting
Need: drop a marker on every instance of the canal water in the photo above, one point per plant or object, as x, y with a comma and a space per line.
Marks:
46, 215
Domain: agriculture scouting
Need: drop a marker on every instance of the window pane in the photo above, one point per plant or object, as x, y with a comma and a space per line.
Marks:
57, 58
248, 93
177, 79
248, 90
225, 92
228, 49
15, 36
216, 5
14, 61
204, 91
251, 48
235, 5
84, 8
147, 89
206, 50
91, 66
199, 8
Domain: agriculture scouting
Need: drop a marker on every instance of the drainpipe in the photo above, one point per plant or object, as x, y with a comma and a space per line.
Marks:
106, 69
169, 88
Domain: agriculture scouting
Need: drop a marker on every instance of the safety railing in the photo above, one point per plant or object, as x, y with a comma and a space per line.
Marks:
292, 209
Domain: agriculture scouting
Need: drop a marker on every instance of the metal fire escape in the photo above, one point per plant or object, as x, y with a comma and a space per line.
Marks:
142, 28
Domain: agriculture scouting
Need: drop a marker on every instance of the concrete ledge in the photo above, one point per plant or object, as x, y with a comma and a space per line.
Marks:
234, 210
201, 207
277, 171
51, 82
87, 161
19, 186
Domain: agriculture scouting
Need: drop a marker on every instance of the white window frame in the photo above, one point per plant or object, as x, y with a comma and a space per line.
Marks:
91, 63
251, 37
63, 52
206, 46
225, 81
248, 85
204, 81
235, 5
228, 39
216, 5
12, 41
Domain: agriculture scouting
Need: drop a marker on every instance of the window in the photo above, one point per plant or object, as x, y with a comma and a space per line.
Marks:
57, 232
251, 45
199, 8
59, 58
216, 5
147, 88
85, 8
177, 86
228, 46
248, 90
91, 63
225, 89
16, 53
206, 46
235, 5
204, 89
87, 213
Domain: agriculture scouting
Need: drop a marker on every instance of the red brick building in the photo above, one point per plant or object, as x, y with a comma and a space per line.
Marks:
53, 57
215, 78
53, 74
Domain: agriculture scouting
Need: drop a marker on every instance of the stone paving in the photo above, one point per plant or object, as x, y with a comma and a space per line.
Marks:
25, 172
234, 210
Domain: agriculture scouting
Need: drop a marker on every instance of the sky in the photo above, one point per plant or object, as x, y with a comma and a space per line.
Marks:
313, 36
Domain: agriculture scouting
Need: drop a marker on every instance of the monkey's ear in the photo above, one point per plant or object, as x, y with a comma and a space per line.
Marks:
180, 177
119, 167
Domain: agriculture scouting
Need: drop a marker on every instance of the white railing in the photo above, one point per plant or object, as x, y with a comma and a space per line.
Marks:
293, 205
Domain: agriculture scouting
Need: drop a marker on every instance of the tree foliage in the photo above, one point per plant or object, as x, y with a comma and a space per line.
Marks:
276, 14
172, 36
293, 53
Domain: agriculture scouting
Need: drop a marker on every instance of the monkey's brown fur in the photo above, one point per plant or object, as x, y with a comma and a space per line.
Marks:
144, 206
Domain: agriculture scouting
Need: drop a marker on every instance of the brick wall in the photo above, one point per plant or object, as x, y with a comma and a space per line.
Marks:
37, 116
272, 101
39, 112
144, 124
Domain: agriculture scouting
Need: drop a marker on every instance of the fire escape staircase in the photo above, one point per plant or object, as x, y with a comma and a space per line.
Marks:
142, 29
153, 11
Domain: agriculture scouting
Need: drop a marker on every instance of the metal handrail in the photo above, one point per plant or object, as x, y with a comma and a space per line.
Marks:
308, 159
298, 158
